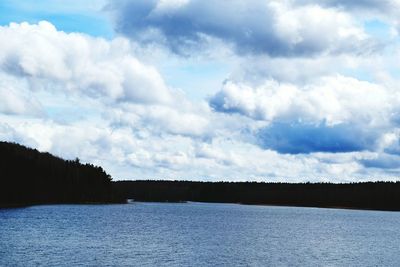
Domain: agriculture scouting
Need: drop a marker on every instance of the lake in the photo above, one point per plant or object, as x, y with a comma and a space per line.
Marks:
197, 234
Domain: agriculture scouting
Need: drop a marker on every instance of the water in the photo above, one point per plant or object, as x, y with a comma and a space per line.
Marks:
197, 234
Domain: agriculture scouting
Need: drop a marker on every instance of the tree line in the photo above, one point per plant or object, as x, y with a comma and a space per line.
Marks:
28, 176
366, 195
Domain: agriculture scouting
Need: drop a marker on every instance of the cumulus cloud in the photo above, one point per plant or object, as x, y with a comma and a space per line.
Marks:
181, 120
53, 60
381, 11
276, 28
38, 58
334, 114
17, 102
333, 99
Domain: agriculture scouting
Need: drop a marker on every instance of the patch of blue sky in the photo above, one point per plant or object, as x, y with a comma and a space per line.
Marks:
67, 109
378, 29
66, 115
92, 25
67, 15
394, 72
197, 79
383, 33
359, 74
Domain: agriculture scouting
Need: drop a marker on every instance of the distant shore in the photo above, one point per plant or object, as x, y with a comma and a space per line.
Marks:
24, 205
128, 201
266, 205
383, 196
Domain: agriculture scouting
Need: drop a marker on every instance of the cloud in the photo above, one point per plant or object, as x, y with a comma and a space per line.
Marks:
17, 102
379, 5
299, 138
333, 99
381, 11
180, 120
9, 133
325, 116
48, 59
104, 76
382, 161
276, 28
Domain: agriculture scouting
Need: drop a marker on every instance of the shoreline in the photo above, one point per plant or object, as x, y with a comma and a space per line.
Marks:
323, 207
267, 205
381, 196
130, 201
25, 205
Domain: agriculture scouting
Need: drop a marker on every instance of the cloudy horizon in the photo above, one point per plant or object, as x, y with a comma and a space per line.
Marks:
277, 91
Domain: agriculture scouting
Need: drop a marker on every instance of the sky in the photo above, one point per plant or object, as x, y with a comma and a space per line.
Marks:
240, 90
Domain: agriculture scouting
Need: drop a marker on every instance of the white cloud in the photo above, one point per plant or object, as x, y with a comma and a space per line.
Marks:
182, 120
48, 59
38, 58
14, 101
332, 114
332, 99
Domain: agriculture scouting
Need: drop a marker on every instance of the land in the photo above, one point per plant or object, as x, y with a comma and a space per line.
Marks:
30, 177
367, 195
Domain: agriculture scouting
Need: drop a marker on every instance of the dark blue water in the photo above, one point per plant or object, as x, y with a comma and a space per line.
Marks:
195, 234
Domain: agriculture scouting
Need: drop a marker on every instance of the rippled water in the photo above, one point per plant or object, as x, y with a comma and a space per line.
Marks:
197, 234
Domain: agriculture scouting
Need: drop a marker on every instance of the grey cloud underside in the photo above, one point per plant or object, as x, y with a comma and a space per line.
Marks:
382, 162
378, 5
326, 116
298, 138
251, 27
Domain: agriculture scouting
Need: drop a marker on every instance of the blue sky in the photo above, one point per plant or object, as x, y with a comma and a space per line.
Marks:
292, 90
69, 16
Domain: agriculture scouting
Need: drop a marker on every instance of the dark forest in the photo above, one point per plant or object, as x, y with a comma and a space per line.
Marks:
28, 176
369, 195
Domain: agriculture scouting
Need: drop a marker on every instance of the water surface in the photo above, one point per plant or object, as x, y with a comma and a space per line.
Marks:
197, 234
